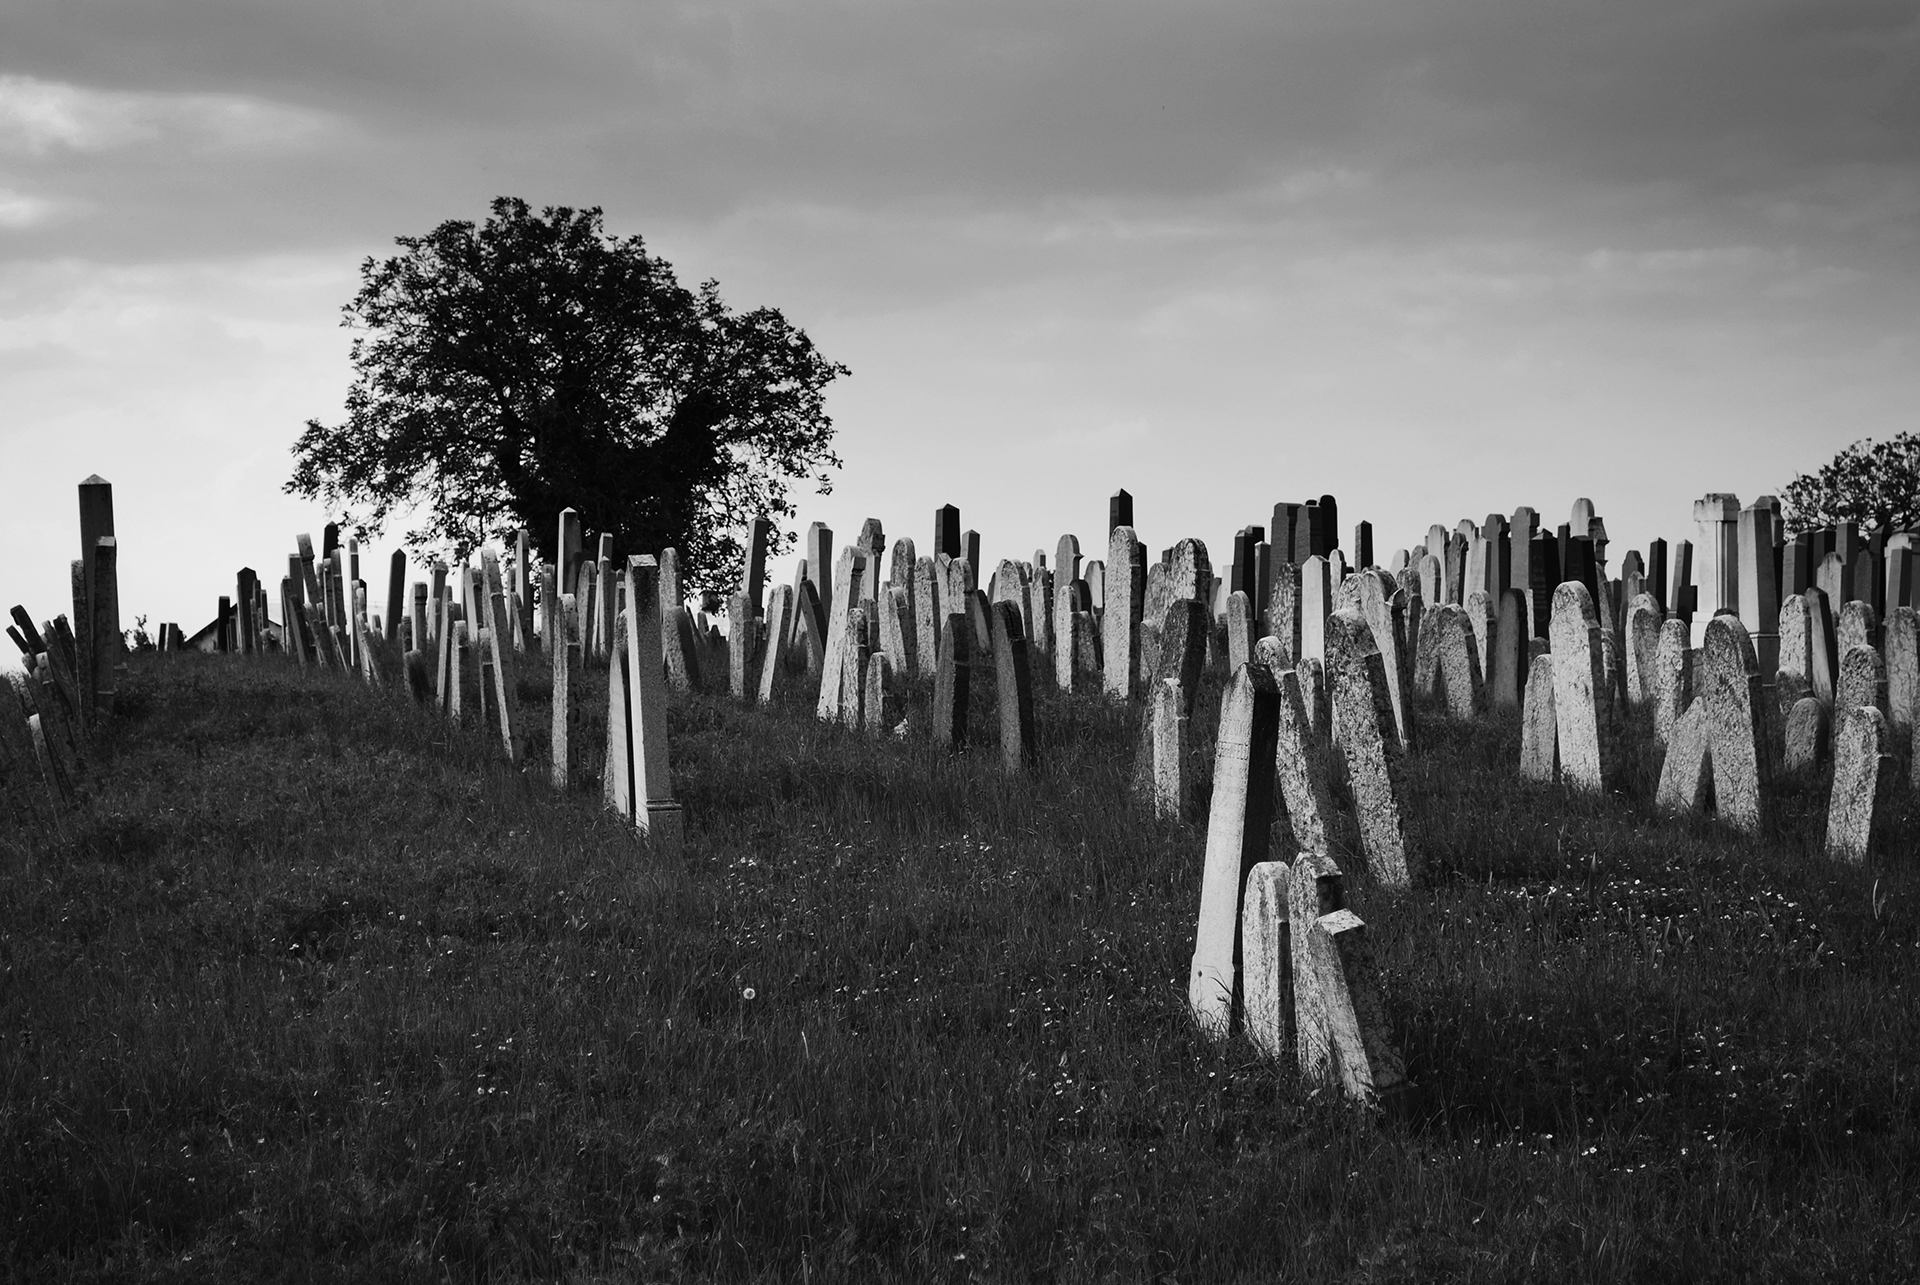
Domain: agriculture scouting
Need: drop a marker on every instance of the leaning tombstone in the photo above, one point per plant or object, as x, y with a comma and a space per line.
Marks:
1903, 675
1239, 630
1862, 773
1266, 959
494, 619
1479, 611
950, 684
1457, 660
1339, 1017
1643, 642
1364, 714
1302, 768
1238, 824
773, 668
654, 811
926, 620
847, 574
1386, 613
880, 708
855, 652
1686, 773
1013, 690
616, 778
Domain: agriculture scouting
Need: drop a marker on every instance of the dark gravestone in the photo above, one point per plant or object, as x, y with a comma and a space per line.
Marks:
950, 685
1119, 510
946, 532
1329, 524
1286, 520
755, 585
1013, 689
329, 539
1304, 528
1657, 574
1362, 545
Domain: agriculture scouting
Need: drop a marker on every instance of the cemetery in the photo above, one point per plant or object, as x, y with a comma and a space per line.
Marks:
1493, 905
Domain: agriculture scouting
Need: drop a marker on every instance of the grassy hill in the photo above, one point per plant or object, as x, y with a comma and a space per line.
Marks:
319, 989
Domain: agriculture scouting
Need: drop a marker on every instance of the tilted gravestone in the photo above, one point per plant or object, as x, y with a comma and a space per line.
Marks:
1239, 630
1822, 657
1806, 737
1238, 824
1479, 609
847, 574
775, 668
897, 636
1858, 627
1283, 609
952, 678
1539, 732
1862, 773
1364, 713
1686, 774
1386, 612
1340, 1027
1580, 710
1302, 766
1457, 660
1013, 690
880, 708
926, 615
655, 813
743, 626
855, 650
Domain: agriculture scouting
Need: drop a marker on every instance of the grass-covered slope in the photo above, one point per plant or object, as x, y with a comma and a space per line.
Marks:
321, 990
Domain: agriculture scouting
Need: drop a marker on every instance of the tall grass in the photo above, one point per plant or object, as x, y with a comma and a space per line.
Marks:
319, 989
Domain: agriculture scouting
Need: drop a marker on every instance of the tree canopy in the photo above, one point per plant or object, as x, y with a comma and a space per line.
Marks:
1873, 485
535, 362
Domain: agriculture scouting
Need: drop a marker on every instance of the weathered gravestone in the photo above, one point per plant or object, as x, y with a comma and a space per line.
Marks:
1456, 659
1340, 1027
1858, 627
1266, 952
952, 675
743, 628
1125, 579
1386, 614
1507, 673
1580, 709
1364, 714
775, 666
847, 574
1642, 644
1301, 762
1479, 609
855, 651
1722, 739
1671, 687
1862, 773
1183, 655
1539, 731
1862, 680
926, 616
880, 709
1903, 676
1239, 630
1316, 602
1013, 690
1169, 713
1806, 738
655, 813
1238, 823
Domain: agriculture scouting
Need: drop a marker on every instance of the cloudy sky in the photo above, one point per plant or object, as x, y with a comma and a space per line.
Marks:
1438, 257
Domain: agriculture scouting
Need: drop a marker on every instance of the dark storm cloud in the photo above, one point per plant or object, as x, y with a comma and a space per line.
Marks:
1483, 116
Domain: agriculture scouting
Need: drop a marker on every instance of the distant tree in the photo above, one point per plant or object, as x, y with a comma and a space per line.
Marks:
535, 362
1872, 485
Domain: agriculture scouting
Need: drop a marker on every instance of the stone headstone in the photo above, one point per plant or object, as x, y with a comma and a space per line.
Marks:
1858, 627
1736, 725
1066, 559
742, 628
847, 574
1364, 712
1316, 601
1903, 675
1539, 732
880, 709
1670, 688
1806, 738
1169, 715
562, 632
1823, 656
1182, 657
656, 814
952, 675
1686, 774
1456, 660
1642, 642
1119, 510
1084, 637
1507, 670
856, 650
1303, 769
1339, 1020
1239, 630
946, 532
1013, 690
1386, 612
1267, 961
926, 615
616, 775
1125, 576
1579, 688
897, 635
900, 568
775, 667
1238, 823
1862, 775
1863, 679
1283, 609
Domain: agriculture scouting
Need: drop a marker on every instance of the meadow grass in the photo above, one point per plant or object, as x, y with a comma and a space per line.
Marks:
319, 989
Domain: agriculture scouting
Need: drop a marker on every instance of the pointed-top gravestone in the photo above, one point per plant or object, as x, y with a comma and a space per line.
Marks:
1119, 511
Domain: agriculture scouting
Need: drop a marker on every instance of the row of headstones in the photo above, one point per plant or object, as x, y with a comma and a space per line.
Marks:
65, 694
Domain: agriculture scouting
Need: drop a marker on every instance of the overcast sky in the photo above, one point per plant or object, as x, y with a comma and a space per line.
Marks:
1440, 258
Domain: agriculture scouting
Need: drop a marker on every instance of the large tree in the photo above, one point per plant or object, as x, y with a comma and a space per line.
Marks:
1873, 485
535, 362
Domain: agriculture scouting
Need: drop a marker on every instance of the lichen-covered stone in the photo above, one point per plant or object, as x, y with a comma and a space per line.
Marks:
1737, 725
1539, 736
1863, 679
1358, 682
1686, 774
1457, 659
1862, 771
1579, 685
1266, 957
1806, 737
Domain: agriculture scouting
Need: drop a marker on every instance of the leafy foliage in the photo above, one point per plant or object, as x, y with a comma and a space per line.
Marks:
536, 362
1873, 485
